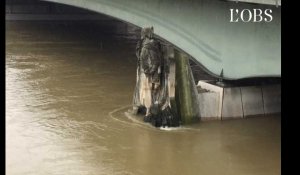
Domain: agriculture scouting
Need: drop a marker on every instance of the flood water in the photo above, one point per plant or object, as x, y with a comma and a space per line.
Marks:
69, 87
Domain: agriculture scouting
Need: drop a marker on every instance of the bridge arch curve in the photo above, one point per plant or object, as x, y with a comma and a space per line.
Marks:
202, 29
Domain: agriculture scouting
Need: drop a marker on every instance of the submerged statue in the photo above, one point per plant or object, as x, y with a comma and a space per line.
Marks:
151, 91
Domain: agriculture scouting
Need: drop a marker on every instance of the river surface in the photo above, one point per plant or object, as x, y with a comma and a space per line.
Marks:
69, 88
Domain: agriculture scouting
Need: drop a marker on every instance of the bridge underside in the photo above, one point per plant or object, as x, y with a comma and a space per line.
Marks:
202, 29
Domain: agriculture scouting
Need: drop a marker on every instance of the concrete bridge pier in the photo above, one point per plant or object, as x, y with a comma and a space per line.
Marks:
238, 101
186, 95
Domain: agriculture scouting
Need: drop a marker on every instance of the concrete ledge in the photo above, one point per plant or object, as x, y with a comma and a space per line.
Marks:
209, 106
224, 103
232, 103
252, 101
215, 91
272, 99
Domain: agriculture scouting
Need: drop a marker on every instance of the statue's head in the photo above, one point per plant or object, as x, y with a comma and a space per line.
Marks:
147, 32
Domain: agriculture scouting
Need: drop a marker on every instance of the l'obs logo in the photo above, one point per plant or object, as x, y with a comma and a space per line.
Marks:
254, 15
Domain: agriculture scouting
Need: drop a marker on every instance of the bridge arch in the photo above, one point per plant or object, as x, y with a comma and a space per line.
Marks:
202, 29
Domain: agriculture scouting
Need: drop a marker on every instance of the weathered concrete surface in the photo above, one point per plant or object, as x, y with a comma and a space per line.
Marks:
169, 52
186, 94
216, 89
238, 102
272, 98
232, 103
252, 101
209, 103
202, 28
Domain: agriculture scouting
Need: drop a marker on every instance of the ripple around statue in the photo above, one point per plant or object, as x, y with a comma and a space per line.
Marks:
152, 90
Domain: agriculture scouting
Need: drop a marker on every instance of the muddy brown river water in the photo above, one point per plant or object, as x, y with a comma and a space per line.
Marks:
69, 87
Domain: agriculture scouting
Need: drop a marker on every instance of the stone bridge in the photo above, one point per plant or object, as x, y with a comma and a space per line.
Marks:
202, 29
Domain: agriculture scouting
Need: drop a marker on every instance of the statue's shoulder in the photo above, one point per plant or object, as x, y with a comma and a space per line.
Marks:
157, 44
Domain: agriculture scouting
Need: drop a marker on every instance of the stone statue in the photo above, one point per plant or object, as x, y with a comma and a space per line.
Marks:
151, 91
